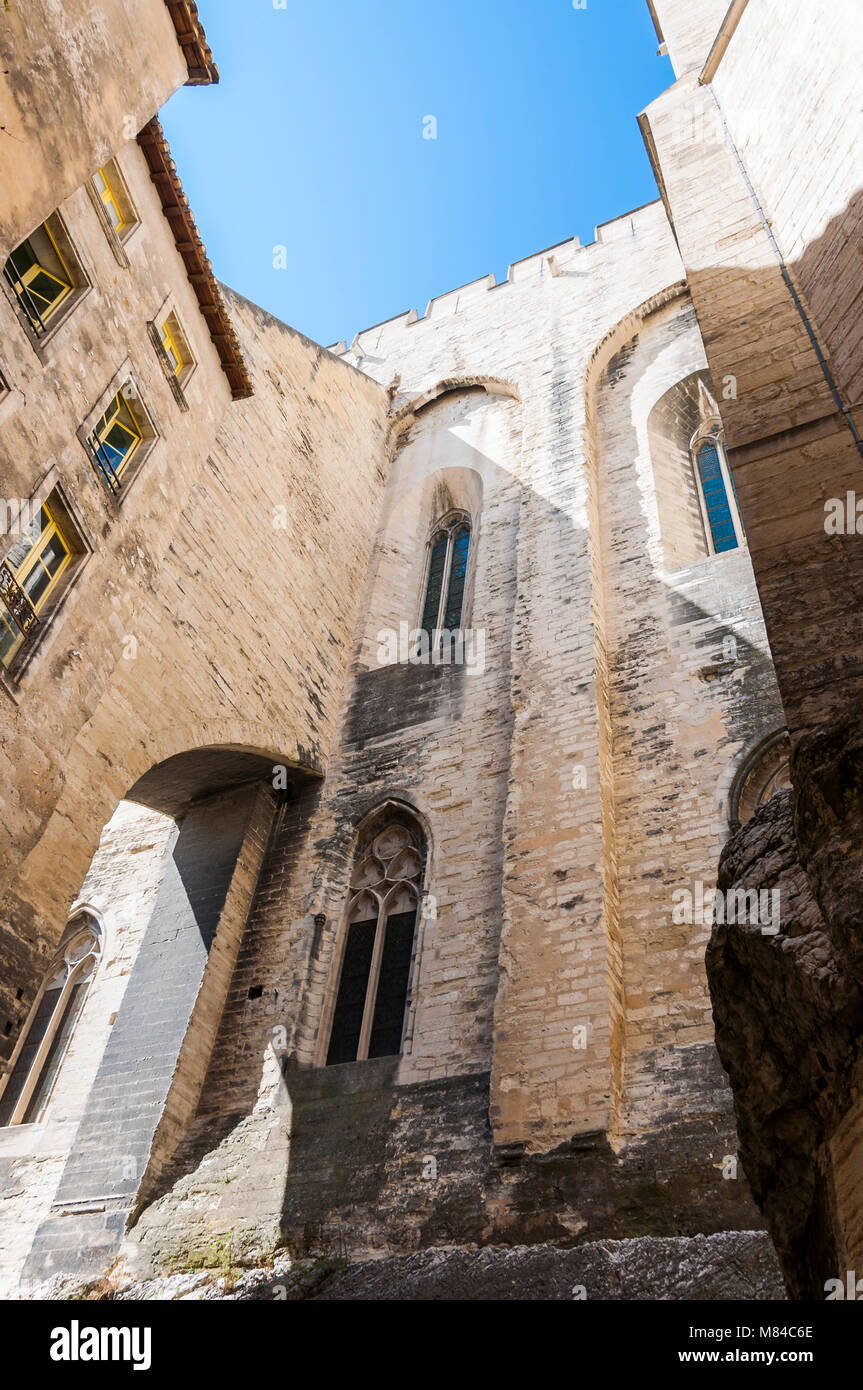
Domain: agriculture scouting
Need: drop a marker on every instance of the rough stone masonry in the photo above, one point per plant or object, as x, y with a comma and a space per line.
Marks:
210, 764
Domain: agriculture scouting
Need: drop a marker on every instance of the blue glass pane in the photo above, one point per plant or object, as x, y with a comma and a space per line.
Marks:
435, 581
458, 571
716, 499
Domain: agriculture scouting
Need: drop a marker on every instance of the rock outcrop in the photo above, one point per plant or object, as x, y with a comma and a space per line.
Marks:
789, 1005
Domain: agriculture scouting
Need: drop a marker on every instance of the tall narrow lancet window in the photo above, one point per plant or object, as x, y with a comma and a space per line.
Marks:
39, 1056
446, 577
377, 966
718, 496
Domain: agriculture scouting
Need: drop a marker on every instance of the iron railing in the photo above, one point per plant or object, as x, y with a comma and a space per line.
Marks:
104, 465
17, 603
28, 303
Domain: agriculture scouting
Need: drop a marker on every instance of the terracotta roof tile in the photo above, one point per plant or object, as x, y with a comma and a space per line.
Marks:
175, 205
193, 41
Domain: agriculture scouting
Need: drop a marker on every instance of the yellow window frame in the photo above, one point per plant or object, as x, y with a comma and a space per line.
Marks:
110, 199
169, 343
111, 418
37, 268
30, 561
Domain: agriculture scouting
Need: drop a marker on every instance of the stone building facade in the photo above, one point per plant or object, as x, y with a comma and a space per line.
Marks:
310, 936
765, 119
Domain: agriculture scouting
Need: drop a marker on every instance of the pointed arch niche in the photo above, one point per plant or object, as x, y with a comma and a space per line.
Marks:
36, 1062
695, 494
458, 451
377, 961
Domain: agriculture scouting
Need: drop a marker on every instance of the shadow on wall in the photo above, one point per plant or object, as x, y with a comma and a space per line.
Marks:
438, 1119
350, 1167
152, 1071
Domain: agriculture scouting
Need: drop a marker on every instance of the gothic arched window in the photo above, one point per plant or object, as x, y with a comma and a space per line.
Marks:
39, 1055
446, 574
717, 493
380, 943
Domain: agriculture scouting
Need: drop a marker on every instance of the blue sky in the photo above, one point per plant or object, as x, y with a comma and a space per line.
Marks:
313, 141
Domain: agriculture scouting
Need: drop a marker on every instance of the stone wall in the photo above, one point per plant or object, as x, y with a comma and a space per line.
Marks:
558, 1080
214, 604
568, 788
764, 194
64, 119
769, 239
689, 28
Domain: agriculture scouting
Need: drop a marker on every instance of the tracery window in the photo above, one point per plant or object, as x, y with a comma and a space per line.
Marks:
39, 1055
716, 491
372, 1004
446, 574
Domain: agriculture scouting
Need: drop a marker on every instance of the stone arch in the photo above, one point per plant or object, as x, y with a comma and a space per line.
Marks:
763, 771
676, 421
400, 800
278, 745
100, 915
405, 415
223, 800
624, 331
457, 448
621, 488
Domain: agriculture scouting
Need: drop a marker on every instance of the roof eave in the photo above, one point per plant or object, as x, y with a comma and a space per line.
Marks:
193, 41
175, 205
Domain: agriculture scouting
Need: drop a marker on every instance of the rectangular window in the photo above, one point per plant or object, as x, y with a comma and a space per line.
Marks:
115, 439
29, 576
110, 201
175, 345
45, 276
39, 277
113, 195
172, 351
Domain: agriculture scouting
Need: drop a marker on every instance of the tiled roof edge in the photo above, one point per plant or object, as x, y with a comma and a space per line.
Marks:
193, 42
175, 205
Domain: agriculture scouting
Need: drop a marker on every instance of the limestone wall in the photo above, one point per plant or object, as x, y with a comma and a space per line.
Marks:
214, 603
64, 119
762, 186
689, 28
567, 790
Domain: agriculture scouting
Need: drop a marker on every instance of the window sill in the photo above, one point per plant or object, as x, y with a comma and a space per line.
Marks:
41, 342
12, 678
178, 384
127, 478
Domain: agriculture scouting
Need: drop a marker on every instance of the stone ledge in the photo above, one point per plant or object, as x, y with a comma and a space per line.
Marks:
729, 1265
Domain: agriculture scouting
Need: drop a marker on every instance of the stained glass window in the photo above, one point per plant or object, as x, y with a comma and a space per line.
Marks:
447, 575
719, 494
